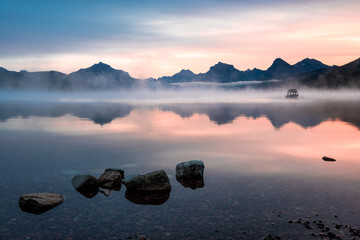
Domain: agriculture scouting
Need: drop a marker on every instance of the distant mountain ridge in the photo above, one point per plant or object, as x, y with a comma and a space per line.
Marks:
100, 76
347, 75
226, 73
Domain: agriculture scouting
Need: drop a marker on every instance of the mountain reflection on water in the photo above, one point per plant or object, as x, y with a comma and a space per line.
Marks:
263, 167
305, 114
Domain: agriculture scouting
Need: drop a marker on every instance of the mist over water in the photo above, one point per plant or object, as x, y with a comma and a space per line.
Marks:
194, 95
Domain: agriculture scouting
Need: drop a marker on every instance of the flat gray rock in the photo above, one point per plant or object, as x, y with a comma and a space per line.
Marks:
151, 182
38, 203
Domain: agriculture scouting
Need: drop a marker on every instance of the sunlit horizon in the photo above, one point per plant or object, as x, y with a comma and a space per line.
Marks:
161, 38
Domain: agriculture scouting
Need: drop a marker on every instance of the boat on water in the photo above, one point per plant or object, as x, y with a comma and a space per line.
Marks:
292, 93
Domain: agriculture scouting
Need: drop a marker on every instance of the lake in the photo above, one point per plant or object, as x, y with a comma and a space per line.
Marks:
263, 167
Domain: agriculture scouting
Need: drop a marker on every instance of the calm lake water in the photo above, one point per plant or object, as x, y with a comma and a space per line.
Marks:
262, 161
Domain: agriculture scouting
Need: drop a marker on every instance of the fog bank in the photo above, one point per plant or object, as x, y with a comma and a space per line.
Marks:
183, 96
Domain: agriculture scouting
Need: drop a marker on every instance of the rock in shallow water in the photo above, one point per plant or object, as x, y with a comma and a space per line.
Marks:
190, 169
190, 174
39, 203
111, 179
122, 172
86, 184
328, 159
151, 182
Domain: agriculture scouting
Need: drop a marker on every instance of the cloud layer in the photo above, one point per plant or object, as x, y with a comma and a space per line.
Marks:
159, 38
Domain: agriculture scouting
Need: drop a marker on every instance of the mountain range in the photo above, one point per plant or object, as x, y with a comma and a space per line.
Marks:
100, 76
226, 73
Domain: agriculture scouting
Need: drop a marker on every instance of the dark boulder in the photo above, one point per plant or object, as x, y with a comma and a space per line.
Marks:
190, 174
111, 179
151, 182
38, 203
190, 169
328, 159
86, 184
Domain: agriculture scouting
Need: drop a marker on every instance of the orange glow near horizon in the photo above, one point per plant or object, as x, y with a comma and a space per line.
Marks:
245, 36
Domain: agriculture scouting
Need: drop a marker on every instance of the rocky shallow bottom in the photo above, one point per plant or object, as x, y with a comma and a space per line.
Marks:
243, 211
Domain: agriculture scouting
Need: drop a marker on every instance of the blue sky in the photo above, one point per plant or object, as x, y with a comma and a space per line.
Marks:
156, 38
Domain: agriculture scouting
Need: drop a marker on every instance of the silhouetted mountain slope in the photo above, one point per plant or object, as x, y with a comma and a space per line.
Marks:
97, 77
309, 65
100, 76
279, 69
34, 80
335, 77
227, 73
221, 72
182, 76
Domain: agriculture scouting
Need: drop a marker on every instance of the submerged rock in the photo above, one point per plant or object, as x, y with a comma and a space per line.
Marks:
151, 182
143, 198
190, 174
86, 184
38, 203
328, 159
111, 179
193, 183
190, 169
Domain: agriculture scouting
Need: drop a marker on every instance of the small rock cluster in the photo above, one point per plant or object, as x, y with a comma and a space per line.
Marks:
89, 185
326, 231
112, 179
151, 188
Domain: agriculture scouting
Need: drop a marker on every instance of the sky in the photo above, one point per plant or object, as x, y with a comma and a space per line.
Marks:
155, 38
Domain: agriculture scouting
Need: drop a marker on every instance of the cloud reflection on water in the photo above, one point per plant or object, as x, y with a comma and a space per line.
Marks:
247, 138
